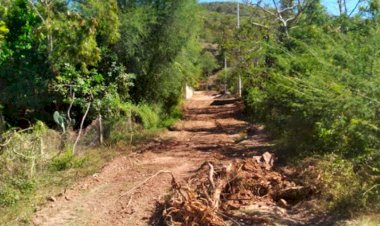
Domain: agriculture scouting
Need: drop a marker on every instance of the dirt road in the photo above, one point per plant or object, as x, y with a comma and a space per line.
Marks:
210, 130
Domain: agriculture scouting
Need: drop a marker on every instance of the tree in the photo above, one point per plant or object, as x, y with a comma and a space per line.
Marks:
3, 31
105, 15
208, 62
154, 37
113, 40
24, 71
287, 12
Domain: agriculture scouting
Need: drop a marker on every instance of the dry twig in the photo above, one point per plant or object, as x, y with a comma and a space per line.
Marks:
131, 191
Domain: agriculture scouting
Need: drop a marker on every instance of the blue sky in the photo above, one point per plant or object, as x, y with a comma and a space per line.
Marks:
331, 5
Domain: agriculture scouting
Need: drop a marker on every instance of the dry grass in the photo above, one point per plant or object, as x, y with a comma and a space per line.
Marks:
366, 220
51, 183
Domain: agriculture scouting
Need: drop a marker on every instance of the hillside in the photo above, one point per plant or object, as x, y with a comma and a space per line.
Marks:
228, 8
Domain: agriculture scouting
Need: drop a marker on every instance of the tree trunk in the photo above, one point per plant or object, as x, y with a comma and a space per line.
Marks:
81, 127
100, 129
342, 7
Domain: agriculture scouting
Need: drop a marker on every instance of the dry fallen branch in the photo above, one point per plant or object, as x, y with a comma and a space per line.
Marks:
211, 196
221, 185
130, 201
132, 190
211, 175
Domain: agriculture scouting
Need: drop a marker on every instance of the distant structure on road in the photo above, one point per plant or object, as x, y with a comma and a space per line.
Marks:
189, 91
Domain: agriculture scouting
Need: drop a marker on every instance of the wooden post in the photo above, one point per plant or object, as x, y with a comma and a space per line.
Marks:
239, 85
238, 27
225, 75
81, 127
100, 129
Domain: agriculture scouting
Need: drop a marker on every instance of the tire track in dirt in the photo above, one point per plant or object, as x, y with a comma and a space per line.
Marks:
210, 131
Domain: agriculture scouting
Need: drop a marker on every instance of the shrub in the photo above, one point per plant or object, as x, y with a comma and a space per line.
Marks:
8, 196
148, 116
338, 184
23, 184
66, 161
317, 92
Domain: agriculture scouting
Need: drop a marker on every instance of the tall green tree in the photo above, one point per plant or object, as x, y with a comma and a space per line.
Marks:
154, 35
24, 73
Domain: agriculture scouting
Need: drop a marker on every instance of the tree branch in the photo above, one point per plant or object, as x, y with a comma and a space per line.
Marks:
71, 105
81, 127
259, 25
356, 6
36, 10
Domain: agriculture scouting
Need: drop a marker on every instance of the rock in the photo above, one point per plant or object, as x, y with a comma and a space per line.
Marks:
51, 199
282, 203
157, 140
268, 160
257, 158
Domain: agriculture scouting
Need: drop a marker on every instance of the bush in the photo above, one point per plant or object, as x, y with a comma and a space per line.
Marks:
23, 184
317, 93
320, 98
66, 161
147, 115
144, 114
339, 185
8, 196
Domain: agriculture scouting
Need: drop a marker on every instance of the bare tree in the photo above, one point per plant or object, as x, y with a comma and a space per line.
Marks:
286, 12
344, 10
81, 127
342, 7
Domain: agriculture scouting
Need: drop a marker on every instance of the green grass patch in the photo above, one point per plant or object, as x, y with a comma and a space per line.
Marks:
66, 161
8, 196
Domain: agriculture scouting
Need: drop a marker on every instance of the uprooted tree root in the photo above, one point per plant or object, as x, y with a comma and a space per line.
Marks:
211, 196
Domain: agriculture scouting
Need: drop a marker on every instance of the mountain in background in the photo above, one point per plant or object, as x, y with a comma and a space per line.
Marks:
228, 8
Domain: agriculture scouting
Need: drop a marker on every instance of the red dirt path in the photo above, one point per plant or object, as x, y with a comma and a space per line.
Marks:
210, 130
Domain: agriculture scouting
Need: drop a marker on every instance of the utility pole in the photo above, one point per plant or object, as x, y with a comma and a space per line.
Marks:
238, 27
238, 14
225, 74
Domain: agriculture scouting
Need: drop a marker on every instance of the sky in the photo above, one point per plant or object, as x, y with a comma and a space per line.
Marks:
331, 5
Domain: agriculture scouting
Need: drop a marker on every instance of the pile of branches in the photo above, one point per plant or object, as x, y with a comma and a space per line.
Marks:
210, 196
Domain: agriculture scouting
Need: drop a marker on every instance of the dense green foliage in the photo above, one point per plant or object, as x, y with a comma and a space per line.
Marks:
313, 83
126, 62
317, 88
100, 52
